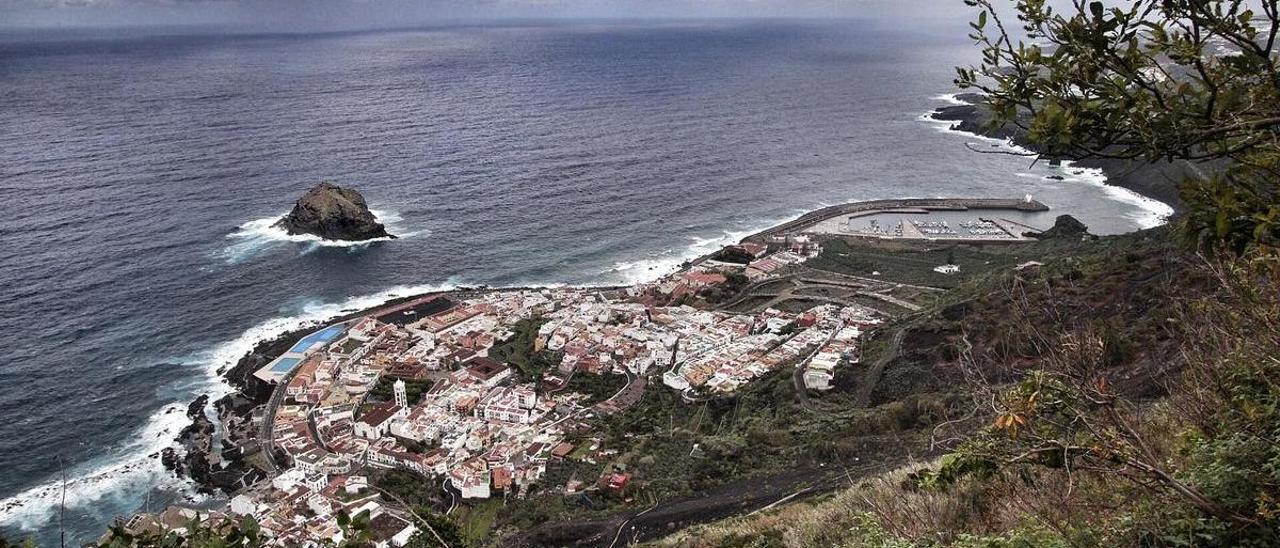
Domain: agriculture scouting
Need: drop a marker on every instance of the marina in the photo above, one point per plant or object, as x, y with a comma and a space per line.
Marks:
970, 220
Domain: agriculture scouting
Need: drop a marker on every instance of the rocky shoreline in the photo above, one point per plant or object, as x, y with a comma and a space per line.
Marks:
1158, 180
223, 456
226, 459
334, 213
221, 461
231, 469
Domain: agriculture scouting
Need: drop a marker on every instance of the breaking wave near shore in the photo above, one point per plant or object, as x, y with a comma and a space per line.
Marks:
118, 481
655, 265
115, 477
140, 268
1147, 212
259, 235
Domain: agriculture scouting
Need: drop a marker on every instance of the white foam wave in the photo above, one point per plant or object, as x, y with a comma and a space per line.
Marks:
661, 264
133, 468
257, 234
1148, 212
953, 98
644, 270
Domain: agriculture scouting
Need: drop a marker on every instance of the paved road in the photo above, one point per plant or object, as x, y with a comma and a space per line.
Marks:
405, 507
865, 287
267, 432
748, 291
623, 526
857, 282
737, 498
315, 432
453, 495
798, 376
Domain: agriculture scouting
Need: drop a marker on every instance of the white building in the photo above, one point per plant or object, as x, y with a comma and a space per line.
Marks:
817, 380
244, 505
675, 380
472, 485
377, 422
402, 400
288, 479
316, 481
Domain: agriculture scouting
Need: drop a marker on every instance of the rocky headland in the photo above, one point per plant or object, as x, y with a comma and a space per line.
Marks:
1065, 226
1158, 180
333, 213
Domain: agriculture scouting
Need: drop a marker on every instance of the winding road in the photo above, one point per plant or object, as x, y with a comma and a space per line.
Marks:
872, 377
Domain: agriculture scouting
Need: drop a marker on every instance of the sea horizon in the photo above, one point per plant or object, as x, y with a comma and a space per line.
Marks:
198, 289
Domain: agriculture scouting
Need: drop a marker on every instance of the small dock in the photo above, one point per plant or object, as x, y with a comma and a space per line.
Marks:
975, 220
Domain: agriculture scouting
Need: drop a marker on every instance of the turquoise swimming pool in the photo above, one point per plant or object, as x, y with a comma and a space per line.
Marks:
319, 337
285, 365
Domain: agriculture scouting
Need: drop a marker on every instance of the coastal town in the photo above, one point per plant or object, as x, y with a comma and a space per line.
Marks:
625, 273
473, 391
481, 426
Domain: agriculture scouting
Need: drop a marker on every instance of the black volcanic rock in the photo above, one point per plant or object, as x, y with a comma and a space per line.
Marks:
333, 213
1065, 226
1158, 179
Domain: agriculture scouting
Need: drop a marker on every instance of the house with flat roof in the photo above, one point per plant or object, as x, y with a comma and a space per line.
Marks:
486, 371
279, 368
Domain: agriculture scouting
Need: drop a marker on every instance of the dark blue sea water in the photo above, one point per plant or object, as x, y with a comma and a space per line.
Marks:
138, 176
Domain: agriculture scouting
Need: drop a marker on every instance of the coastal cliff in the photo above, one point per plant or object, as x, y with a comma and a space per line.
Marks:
333, 213
1158, 180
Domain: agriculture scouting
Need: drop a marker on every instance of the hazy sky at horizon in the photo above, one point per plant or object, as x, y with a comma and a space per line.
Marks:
355, 14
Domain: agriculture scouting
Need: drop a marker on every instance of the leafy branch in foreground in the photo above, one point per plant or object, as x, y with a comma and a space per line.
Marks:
1207, 457
1193, 80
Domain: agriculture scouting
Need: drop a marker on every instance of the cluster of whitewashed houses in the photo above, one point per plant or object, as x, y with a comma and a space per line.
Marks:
840, 348
483, 432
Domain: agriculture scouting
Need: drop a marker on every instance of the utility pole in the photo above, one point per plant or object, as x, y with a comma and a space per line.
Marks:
62, 505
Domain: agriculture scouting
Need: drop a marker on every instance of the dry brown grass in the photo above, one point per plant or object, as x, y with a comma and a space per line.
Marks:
904, 513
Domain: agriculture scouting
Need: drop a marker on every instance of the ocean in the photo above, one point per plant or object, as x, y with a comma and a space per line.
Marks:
139, 178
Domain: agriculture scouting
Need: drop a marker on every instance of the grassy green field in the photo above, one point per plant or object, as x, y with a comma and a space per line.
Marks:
912, 266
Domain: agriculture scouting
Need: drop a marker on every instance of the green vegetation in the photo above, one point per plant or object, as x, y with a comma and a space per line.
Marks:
1072, 447
760, 431
477, 520
409, 487
1125, 394
1149, 80
244, 534
518, 351
1207, 457
597, 388
910, 264
734, 282
441, 524
422, 495
384, 390
732, 254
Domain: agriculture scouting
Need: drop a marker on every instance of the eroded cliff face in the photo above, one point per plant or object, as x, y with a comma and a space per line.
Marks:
333, 213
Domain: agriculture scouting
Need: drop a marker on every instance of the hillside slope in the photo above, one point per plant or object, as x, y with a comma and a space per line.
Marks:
1169, 440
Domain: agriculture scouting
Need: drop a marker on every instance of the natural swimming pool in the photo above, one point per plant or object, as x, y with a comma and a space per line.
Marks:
320, 337
284, 365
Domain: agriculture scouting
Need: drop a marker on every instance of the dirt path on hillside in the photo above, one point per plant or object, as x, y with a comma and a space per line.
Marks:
873, 374
735, 498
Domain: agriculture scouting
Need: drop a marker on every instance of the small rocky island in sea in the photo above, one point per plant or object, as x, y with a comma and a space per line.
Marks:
333, 213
